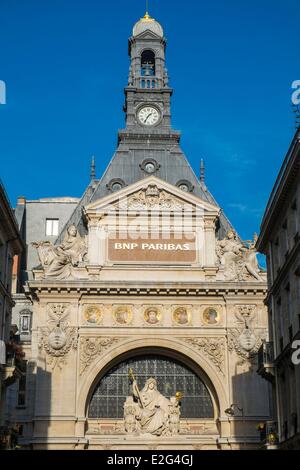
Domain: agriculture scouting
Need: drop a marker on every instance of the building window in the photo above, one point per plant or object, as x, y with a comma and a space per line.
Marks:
150, 166
148, 64
25, 322
116, 185
52, 227
185, 186
110, 395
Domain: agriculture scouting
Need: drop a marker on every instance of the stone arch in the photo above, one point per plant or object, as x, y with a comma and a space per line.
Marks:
168, 347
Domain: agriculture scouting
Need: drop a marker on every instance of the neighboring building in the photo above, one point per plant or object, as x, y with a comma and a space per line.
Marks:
182, 303
280, 242
10, 354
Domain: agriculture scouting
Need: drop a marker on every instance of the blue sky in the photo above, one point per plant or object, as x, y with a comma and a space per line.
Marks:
231, 63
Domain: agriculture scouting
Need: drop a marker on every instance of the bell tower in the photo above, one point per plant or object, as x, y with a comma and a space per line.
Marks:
148, 94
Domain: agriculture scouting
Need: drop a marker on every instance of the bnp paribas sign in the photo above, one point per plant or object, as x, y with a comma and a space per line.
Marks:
156, 249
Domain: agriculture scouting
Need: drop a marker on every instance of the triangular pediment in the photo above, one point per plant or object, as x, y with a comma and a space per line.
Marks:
148, 34
150, 194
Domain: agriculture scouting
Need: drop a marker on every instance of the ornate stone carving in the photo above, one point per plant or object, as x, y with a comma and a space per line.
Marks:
90, 348
59, 261
153, 198
149, 412
212, 348
238, 262
58, 338
245, 314
246, 342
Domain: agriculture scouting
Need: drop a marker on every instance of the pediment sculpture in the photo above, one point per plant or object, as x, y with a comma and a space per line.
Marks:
238, 261
149, 412
153, 198
59, 261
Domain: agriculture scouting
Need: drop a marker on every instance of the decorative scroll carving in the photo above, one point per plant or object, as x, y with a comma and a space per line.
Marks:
90, 348
238, 262
58, 338
212, 348
153, 198
59, 261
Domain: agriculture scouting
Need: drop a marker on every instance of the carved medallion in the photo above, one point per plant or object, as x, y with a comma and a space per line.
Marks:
123, 315
152, 316
93, 315
246, 342
58, 338
211, 316
181, 316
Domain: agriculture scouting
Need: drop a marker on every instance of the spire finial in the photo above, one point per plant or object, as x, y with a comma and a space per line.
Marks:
93, 169
202, 171
147, 16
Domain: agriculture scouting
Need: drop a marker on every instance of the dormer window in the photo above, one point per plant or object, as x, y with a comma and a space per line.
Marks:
185, 186
148, 64
116, 185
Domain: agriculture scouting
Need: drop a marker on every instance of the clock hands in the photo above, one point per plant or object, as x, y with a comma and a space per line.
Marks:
151, 114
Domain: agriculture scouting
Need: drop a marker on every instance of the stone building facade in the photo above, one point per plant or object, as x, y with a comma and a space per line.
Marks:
280, 241
147, 291
10, 249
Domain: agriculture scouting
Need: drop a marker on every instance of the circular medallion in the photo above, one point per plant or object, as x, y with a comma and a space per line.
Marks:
93, 314
181, 316
123, 315
211, 316
152, 316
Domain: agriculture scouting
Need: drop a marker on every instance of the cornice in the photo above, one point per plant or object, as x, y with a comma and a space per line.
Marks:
216, 289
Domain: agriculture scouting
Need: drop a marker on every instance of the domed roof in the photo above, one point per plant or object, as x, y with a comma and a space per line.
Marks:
148, 23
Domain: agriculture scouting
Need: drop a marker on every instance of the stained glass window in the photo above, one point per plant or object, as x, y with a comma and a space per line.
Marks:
172, 376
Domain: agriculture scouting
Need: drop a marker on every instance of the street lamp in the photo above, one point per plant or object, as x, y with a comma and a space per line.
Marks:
231, 412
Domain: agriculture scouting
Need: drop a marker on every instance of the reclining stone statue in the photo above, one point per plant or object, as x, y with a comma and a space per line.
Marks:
59, 261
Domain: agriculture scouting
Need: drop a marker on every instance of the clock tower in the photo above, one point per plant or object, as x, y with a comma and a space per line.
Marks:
148, 93
148, 146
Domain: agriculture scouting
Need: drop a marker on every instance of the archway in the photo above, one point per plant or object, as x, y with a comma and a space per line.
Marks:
174, 371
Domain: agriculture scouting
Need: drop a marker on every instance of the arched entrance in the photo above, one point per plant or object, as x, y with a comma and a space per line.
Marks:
174, 371
172, 376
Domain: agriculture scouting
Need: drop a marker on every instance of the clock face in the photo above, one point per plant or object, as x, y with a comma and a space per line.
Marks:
148, 116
